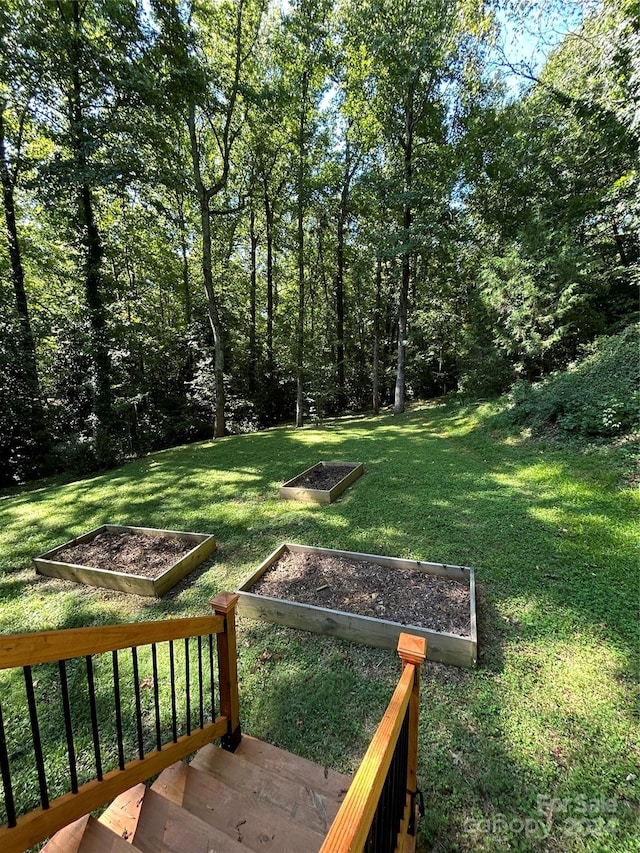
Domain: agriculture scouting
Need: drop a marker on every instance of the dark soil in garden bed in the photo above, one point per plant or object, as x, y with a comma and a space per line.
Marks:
406, 596
324, 477
132, 553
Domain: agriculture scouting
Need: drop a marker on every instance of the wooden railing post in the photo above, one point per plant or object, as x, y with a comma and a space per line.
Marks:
224, 604
413, 650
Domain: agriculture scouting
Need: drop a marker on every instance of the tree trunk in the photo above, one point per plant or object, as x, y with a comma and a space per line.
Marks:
207, 276
376, 340
184, 254
300, 215
27, 348
253, 355
339, 296
268, 212
100, 354
398, 406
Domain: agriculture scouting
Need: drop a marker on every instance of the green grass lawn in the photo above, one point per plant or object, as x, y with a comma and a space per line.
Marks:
535, 750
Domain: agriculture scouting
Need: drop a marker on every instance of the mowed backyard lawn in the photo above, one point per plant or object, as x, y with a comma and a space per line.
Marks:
537, 749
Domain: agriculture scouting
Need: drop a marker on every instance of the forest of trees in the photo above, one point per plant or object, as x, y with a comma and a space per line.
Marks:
224, 214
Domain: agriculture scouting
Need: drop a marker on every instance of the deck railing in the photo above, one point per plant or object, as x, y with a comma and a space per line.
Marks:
379, 810
100, 672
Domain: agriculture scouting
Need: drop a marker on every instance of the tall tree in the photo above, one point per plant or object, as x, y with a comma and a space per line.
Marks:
18, 84
305, 74
209, 50
410, 46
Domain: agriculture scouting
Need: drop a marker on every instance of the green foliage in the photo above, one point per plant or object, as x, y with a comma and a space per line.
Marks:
598, 396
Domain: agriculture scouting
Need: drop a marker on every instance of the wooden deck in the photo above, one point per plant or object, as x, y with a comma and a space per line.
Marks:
259, 798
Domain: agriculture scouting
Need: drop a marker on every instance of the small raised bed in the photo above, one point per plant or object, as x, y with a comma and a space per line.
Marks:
323, 482
196, 548
447, 647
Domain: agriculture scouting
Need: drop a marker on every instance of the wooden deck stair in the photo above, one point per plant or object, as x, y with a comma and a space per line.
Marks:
259, 798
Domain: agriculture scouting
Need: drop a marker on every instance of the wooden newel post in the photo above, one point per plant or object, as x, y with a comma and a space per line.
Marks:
224, 604
413, 651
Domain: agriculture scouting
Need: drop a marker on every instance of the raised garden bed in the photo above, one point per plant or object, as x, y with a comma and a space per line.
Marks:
367, 598
323, 482
142, 560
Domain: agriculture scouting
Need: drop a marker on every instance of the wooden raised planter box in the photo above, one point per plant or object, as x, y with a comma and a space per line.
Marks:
442, 647
291, 491
203, 546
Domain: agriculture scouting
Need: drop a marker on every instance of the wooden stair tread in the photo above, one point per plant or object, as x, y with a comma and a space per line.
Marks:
297, 801
67, 839
164, 827
242, 817
326, 781
121, 817
86, 835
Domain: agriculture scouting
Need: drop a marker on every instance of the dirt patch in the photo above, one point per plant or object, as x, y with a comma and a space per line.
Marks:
368, 589
132, 553
323, 477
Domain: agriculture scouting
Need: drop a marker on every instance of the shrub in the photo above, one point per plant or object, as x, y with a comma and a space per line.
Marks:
597, 396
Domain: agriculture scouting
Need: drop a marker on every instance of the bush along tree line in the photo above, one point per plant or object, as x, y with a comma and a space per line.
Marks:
221, 214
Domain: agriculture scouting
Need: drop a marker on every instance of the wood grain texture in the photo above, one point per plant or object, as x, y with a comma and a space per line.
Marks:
38, 647
203, 546
288, 491
442, 647
350, 828
380, 633
40, 823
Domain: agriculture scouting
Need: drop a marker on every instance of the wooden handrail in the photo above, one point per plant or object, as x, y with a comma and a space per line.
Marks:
30, 649
49, 646
350, 829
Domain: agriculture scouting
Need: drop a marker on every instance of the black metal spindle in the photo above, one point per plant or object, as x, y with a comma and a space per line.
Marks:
211, 681
136, 687
5, 771
187, 683
390, 809
35, 734
156, 695
68, 728
172, 673
94, 717
118, 708
200, 685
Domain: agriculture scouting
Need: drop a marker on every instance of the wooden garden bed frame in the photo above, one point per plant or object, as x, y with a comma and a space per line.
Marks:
291, 492
382, 633
203, 546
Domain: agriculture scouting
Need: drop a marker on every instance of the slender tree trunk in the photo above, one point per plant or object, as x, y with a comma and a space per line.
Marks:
398, 407
184, 255
300, 217
103, 404
268, 212
624, 260
253, 355
376, 340
339, 296
27, 345
207, 276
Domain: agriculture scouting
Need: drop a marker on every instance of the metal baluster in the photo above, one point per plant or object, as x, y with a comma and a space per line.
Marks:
116, 699
5, 770
66, 707
136, 687
187, 682
211, 681
200, 689
94, 717
156, 695
35, 734
172, 670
